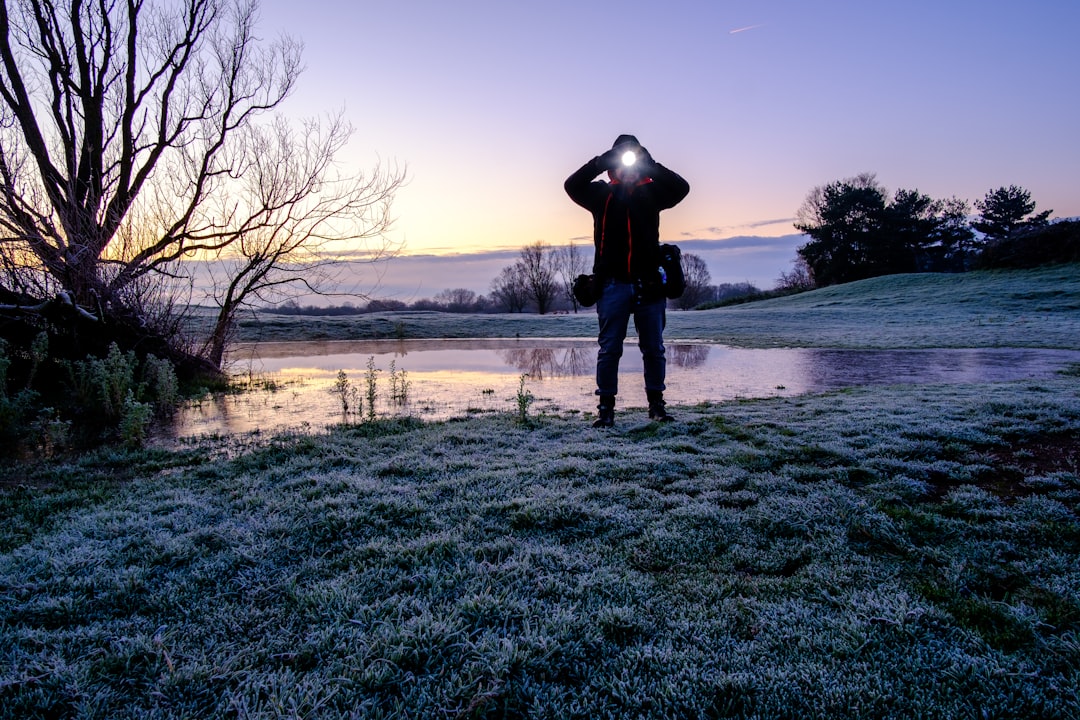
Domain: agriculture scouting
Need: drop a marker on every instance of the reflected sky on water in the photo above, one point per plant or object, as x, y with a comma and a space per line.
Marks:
449, 378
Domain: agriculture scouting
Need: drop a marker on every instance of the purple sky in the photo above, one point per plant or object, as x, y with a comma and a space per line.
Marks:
491, 104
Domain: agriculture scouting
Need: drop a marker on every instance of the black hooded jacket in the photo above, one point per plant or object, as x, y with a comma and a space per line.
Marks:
626, 220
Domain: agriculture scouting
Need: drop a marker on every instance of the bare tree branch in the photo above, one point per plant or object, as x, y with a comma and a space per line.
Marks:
571, 261
131, 143
538, 269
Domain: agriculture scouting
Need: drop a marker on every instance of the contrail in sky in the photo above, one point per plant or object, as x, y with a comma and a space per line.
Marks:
744, 29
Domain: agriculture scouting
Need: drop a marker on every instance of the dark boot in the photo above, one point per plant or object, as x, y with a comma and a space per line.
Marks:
605, 412
657, 410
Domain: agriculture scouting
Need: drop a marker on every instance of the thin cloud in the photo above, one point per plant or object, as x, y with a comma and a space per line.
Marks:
763, 223
732, 229
741, 243
744, 29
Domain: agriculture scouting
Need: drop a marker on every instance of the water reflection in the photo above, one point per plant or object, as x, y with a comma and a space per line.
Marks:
540, 363
687, 356
832, 369
448, 378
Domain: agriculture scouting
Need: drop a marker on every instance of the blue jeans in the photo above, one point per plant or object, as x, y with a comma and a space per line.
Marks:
614, 308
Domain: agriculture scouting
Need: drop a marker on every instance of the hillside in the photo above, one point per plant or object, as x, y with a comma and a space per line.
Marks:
1005, 308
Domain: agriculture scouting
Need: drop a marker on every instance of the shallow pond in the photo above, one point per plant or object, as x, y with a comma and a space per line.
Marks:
437, 379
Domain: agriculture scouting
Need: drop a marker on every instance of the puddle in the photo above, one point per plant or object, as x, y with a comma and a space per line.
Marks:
452, 378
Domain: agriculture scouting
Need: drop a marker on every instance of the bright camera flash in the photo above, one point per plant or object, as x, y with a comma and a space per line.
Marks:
629, 158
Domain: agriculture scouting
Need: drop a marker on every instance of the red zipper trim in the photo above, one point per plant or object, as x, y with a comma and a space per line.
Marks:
603, 225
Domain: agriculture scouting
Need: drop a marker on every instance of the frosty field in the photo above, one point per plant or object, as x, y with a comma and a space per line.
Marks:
905, 551
1033, 308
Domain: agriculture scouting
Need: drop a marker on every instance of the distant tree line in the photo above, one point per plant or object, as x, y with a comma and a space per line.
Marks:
539, 281
456, 300
858, 230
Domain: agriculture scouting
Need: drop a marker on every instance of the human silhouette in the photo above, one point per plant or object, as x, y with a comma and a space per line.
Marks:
626, 263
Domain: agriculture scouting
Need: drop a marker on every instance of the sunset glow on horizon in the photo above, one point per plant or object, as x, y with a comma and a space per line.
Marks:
491, 105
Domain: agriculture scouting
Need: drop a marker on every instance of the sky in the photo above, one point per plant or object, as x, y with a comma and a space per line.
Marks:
490, 104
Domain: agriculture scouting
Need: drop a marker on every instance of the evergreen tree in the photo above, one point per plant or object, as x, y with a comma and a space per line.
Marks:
1005, 212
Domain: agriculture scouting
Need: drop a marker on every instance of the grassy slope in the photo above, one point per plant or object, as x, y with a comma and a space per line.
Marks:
1021, 308
1032, 308
888, 552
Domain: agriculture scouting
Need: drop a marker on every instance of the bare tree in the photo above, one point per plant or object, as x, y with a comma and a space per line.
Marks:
569, 262
457, 300
698, 279
798, 279
509, 291
128, 143
309, 224
538, 270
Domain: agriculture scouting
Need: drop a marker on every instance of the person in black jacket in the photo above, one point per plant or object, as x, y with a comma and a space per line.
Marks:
626, 234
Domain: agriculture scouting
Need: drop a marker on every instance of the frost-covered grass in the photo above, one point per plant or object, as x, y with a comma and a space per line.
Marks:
899, 552
1015, 308
903, 552
1027, 308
